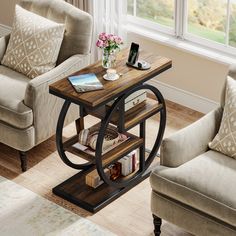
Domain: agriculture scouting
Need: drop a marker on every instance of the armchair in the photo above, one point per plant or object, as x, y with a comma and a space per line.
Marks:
28, 113
195, 187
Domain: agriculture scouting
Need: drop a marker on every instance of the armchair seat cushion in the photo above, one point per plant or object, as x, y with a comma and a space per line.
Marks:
206, 183
12, 91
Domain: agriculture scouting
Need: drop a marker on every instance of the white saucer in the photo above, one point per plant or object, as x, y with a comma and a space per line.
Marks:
107, 78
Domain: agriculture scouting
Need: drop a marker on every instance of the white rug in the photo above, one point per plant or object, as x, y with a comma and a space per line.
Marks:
24, 213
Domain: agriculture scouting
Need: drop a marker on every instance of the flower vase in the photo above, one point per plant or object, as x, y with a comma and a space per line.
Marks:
108, 59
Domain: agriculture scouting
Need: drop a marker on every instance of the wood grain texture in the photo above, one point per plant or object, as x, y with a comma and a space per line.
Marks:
130, 77
111, 156
77, 191
132, 116
128, 215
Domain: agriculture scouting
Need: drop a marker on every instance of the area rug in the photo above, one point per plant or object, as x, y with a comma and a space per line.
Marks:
24, 213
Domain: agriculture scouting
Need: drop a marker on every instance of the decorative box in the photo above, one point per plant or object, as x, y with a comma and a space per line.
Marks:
93, 179
133, 100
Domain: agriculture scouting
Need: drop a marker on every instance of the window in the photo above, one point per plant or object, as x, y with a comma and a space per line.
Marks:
208, 22
153, 13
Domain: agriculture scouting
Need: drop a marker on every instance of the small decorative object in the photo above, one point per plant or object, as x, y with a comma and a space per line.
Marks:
88, 137
133, 100
109, 43
111, 75
93, 179
115, 170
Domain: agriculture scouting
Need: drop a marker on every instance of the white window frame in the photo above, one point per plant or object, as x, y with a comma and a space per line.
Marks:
138, 21
180, 30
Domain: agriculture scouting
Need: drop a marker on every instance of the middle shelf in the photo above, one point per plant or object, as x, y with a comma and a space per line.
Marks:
110, 157
133, 116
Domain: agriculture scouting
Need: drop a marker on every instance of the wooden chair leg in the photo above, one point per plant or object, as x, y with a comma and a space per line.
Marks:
157, 225
23, 160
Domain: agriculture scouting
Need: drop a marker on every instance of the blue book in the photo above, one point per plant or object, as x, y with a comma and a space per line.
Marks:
85, 82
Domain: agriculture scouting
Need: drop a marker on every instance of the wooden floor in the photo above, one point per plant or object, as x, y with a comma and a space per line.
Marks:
128, 215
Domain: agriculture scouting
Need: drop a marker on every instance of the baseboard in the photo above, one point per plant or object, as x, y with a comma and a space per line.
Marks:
4, 30
185, 98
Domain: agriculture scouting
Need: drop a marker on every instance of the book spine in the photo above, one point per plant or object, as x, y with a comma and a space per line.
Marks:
129, 169
134, 160
124, 166
130, 164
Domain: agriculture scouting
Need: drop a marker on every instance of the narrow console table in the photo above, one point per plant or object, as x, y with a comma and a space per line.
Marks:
94, 103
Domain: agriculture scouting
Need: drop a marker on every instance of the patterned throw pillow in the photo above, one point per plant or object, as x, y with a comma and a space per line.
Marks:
34, 43
225, 140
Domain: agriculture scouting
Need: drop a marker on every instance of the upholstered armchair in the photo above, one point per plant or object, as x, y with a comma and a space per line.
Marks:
28, 113
194, 187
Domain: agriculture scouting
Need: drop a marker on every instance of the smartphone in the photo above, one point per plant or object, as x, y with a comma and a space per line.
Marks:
133, 53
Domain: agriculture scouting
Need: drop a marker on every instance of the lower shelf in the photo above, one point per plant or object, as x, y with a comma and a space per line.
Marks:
76, 191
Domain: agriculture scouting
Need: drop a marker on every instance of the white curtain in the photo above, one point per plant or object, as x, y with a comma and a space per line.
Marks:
109, 16
85, 5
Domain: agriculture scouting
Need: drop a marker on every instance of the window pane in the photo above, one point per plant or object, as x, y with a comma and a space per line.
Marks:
232, 27
130, 7
160, 11
207, 19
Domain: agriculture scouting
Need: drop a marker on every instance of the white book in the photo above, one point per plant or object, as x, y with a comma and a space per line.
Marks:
124, 166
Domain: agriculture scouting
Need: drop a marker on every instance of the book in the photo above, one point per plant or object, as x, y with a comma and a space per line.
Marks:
129, 163
85, 82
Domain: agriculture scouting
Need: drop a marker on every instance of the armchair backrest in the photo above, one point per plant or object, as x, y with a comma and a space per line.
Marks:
78, 24
232, 74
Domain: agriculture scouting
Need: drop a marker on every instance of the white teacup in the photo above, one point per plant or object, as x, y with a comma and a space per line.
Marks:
111, 74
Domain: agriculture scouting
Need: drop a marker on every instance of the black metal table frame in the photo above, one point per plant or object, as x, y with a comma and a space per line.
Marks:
118, 104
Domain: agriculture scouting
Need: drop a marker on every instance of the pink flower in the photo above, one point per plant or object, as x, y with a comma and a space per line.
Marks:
105, 44
110, 37
108, 41
102, 36
118, 40
100, 43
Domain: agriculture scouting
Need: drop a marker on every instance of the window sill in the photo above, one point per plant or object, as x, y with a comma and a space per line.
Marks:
184, 45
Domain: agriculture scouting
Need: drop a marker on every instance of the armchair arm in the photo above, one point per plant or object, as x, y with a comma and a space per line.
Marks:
45, 106
191, 141
3, 45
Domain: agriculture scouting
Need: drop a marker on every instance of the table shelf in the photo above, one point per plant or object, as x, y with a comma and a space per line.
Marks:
78, 192
110, 157
133, 116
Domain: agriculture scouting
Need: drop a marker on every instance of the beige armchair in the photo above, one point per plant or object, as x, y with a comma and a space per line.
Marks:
28, 113
194, 187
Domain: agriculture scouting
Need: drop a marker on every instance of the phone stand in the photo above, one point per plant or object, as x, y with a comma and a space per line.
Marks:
140, 65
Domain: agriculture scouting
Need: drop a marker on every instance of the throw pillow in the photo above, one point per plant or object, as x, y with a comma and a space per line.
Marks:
34, 43
225, 140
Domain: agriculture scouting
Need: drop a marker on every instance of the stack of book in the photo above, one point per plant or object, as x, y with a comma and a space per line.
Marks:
123, 167
129, 163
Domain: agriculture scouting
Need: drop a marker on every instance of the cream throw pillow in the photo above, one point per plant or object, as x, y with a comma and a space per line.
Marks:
225, 140
34, 43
